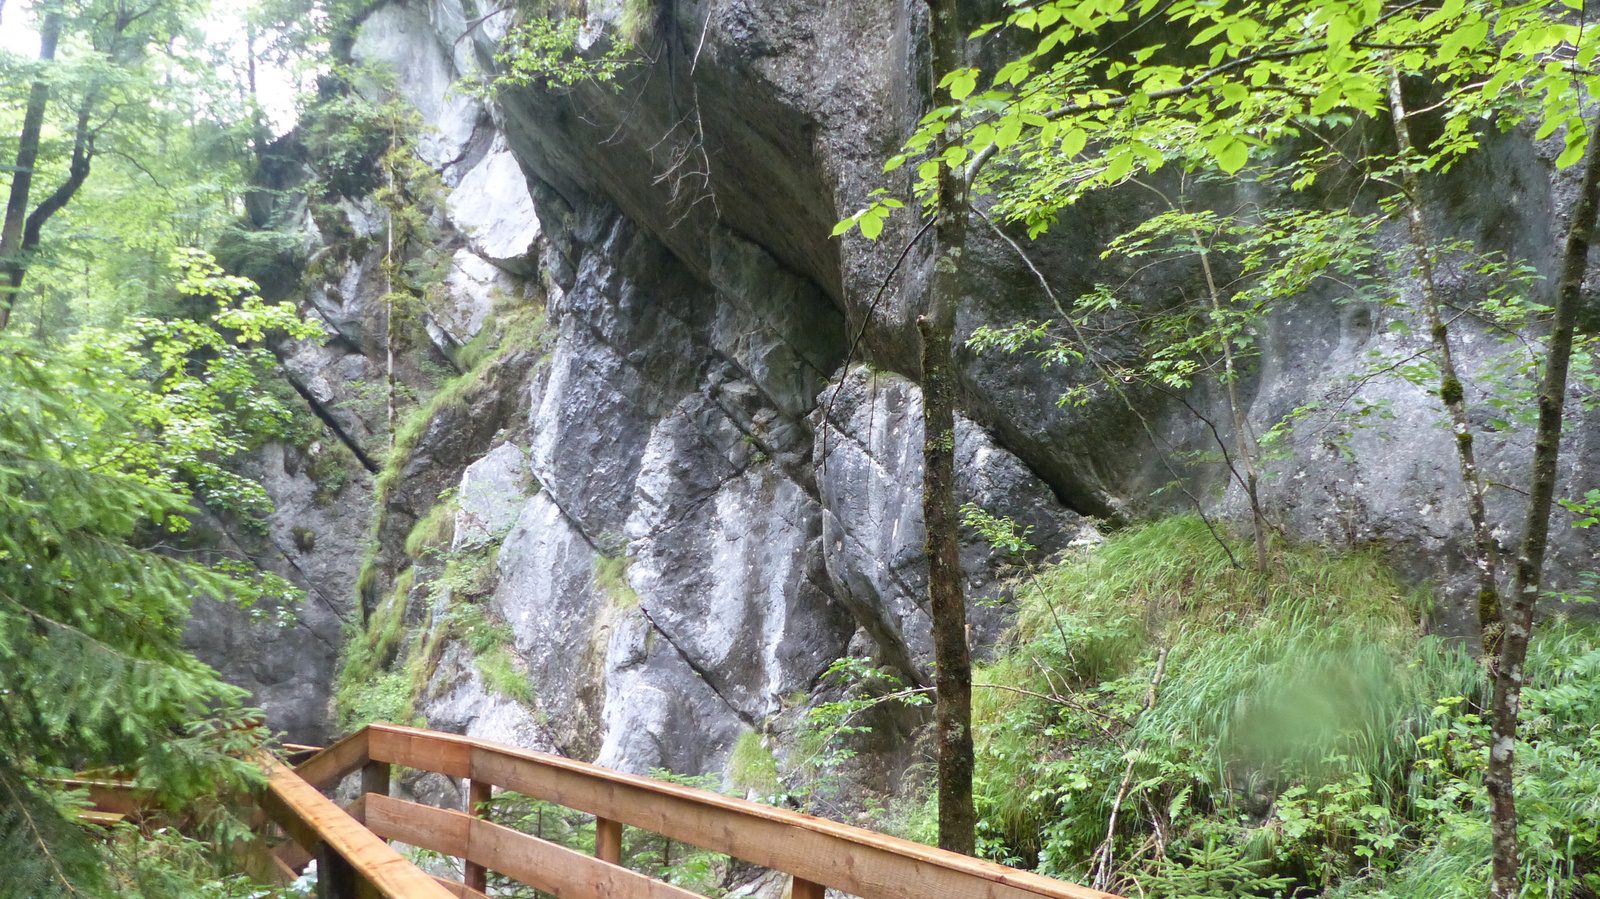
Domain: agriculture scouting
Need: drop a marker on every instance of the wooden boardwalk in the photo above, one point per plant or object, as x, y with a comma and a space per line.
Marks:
355, 860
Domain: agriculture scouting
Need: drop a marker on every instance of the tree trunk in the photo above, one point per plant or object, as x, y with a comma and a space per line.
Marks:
11, 231
1241, 424
1518, 617
947, 600
1485, 557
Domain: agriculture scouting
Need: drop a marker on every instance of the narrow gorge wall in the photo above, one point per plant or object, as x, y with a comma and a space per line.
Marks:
686, 479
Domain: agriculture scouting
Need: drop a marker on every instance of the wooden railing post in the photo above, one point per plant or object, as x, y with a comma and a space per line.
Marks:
608, 840
805, 889
476, 877
375, 778
336, 879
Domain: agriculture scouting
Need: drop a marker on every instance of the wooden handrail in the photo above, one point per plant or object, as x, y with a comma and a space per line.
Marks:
817, 852
314, 821
325, 769
855, 861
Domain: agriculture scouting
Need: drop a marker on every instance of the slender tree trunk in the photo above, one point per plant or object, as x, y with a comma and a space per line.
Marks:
953, 675
77, 173
259, 136
1529, 566
389, 330
1485, 557
11, 231
1240, 424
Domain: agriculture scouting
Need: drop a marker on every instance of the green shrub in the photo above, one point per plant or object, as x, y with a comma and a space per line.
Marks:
383, 697
1303, 736
472, 624
521, 329
366, 690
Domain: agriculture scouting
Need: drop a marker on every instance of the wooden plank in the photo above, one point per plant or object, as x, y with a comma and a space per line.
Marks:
254, 858
479, 793
460, 889
119, 796
608, 840
562, 872
805, 889
864, 868
286, 874
303, 810
442, 831
299, 831
538, 863
292, 856
98, 818
328, 767
420, 749
817, 851
336, 877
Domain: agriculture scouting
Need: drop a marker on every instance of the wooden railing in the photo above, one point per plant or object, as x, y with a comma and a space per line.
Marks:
354, 859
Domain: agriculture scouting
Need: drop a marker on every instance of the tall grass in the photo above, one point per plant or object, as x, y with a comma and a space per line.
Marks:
1302, 736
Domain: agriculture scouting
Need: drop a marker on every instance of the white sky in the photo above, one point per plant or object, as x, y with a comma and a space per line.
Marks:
16, 30
275, 87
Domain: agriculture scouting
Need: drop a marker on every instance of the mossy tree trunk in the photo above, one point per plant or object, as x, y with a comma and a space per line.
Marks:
1452, 393
1517, 617
946, 594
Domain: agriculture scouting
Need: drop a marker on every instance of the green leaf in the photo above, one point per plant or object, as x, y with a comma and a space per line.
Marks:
1230, 152
961, 82
1119, 167
1571, 154
872, 224
1073, 142
1008, 133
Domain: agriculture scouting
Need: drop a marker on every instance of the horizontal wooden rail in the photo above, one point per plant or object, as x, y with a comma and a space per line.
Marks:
814, 850
325, 769
538, 863
460, 890
315, 822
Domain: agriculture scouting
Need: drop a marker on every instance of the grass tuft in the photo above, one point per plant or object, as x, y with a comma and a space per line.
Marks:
752, 769
434, 531
611, 578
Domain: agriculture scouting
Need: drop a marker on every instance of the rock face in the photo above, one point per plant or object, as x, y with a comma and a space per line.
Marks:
288, 657
699, 483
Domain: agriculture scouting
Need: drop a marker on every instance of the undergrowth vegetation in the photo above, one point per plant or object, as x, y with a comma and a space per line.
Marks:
1162, 723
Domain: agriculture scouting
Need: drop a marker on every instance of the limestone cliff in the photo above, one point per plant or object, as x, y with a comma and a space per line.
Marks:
686, 479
